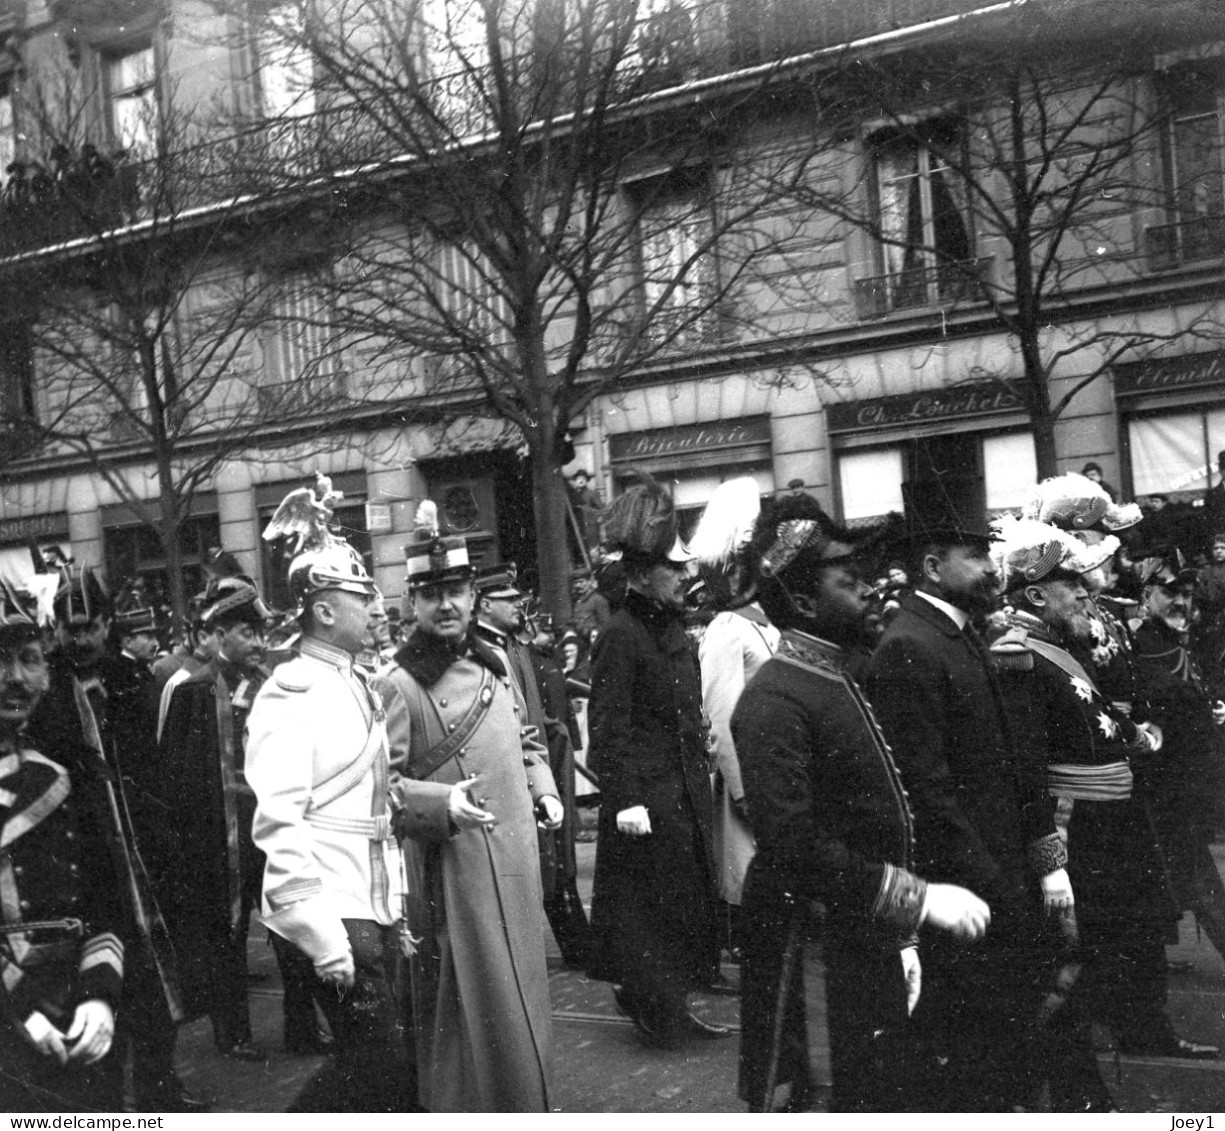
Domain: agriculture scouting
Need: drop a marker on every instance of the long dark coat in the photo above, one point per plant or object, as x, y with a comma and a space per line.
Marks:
208, 857
832, 824
980, 809
652, 908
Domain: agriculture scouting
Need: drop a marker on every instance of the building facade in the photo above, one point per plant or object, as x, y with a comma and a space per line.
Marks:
876, 353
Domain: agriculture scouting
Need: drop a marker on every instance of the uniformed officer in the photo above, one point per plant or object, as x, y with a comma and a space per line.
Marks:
333, 882
473, 783
61, 951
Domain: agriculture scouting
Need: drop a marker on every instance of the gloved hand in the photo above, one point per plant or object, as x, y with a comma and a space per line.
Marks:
1150, 735
93, 1030
912, 971
740, 807
1218, 713
463, 811
46, 1037
956, 910
338, 971
634, 821
551, 812
1057, 896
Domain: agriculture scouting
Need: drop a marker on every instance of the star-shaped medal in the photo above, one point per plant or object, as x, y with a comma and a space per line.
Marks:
1109, 727
1083, 689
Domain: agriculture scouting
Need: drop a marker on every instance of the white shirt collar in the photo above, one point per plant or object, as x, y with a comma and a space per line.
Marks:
958, 616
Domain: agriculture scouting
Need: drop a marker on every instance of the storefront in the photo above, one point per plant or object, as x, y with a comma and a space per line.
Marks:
21, 538
693, 459
1172, 425
971, 442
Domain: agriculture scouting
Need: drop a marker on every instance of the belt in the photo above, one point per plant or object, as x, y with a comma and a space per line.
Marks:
372, 828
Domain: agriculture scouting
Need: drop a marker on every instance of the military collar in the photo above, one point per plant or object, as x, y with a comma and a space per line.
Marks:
426, 657
325, 653
1034, 626
491, 635
811, 649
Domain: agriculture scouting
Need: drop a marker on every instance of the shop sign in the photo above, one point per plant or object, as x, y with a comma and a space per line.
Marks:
689, 439
928, 407
35, 526
1169, 374
378, 518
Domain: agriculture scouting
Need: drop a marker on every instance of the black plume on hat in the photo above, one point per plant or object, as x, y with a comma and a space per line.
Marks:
641, 522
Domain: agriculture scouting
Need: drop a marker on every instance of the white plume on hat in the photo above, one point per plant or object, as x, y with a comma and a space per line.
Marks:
727, 522
1074, 502
1029, 550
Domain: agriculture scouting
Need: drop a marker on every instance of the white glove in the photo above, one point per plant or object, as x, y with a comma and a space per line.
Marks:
913, 973
1218, 713
552, 812
93, 1030
1150, 735
46, 1037
635, 821
1057, 896
338, 971
465, 813
957, 910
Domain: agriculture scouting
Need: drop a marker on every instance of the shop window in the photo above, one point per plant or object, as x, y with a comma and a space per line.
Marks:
870, 483
131, 95
678, 265
1195, 172
691, 489
1010, 470
1175, 454
134, 550
926, 251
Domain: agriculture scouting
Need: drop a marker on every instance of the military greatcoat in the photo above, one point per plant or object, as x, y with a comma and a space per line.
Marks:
481, 1012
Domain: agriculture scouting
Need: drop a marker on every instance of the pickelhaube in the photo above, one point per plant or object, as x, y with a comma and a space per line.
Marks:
323, 560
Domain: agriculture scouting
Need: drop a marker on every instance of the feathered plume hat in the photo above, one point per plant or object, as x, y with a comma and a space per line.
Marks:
433, 557
722, 538
1029, 551
641, 525
82, 594
1075, 502
322, 559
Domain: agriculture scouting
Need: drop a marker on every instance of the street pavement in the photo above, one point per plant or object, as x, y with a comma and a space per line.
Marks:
601, 1065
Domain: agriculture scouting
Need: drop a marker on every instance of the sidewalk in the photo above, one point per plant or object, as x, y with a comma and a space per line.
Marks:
601, 1066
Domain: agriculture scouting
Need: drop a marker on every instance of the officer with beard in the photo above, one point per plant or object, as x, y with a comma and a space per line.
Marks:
1063, 721
982, 820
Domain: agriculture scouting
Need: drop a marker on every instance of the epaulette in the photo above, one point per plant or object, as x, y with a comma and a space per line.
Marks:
1011, 651
293, 675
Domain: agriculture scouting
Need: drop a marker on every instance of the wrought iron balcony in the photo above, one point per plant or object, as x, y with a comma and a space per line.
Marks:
944, 284
1199, 240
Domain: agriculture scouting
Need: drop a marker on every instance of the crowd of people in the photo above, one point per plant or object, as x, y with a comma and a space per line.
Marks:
981, 766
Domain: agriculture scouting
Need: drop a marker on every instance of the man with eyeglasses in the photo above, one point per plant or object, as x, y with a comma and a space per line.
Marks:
472, 784
211, 870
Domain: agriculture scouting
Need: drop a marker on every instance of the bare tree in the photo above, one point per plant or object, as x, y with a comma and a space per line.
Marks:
165, 337
534, 202
1010, 167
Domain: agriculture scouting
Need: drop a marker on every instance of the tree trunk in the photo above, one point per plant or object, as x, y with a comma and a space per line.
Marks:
1038, 403
168, 532
552, 542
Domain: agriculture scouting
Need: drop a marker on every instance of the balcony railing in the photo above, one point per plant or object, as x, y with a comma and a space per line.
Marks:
944, 284
1200, 240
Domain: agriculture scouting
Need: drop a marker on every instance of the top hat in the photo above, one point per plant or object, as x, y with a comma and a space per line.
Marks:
433, 558
932, 516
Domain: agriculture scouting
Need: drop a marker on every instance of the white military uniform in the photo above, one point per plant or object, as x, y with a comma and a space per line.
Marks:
317, 760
